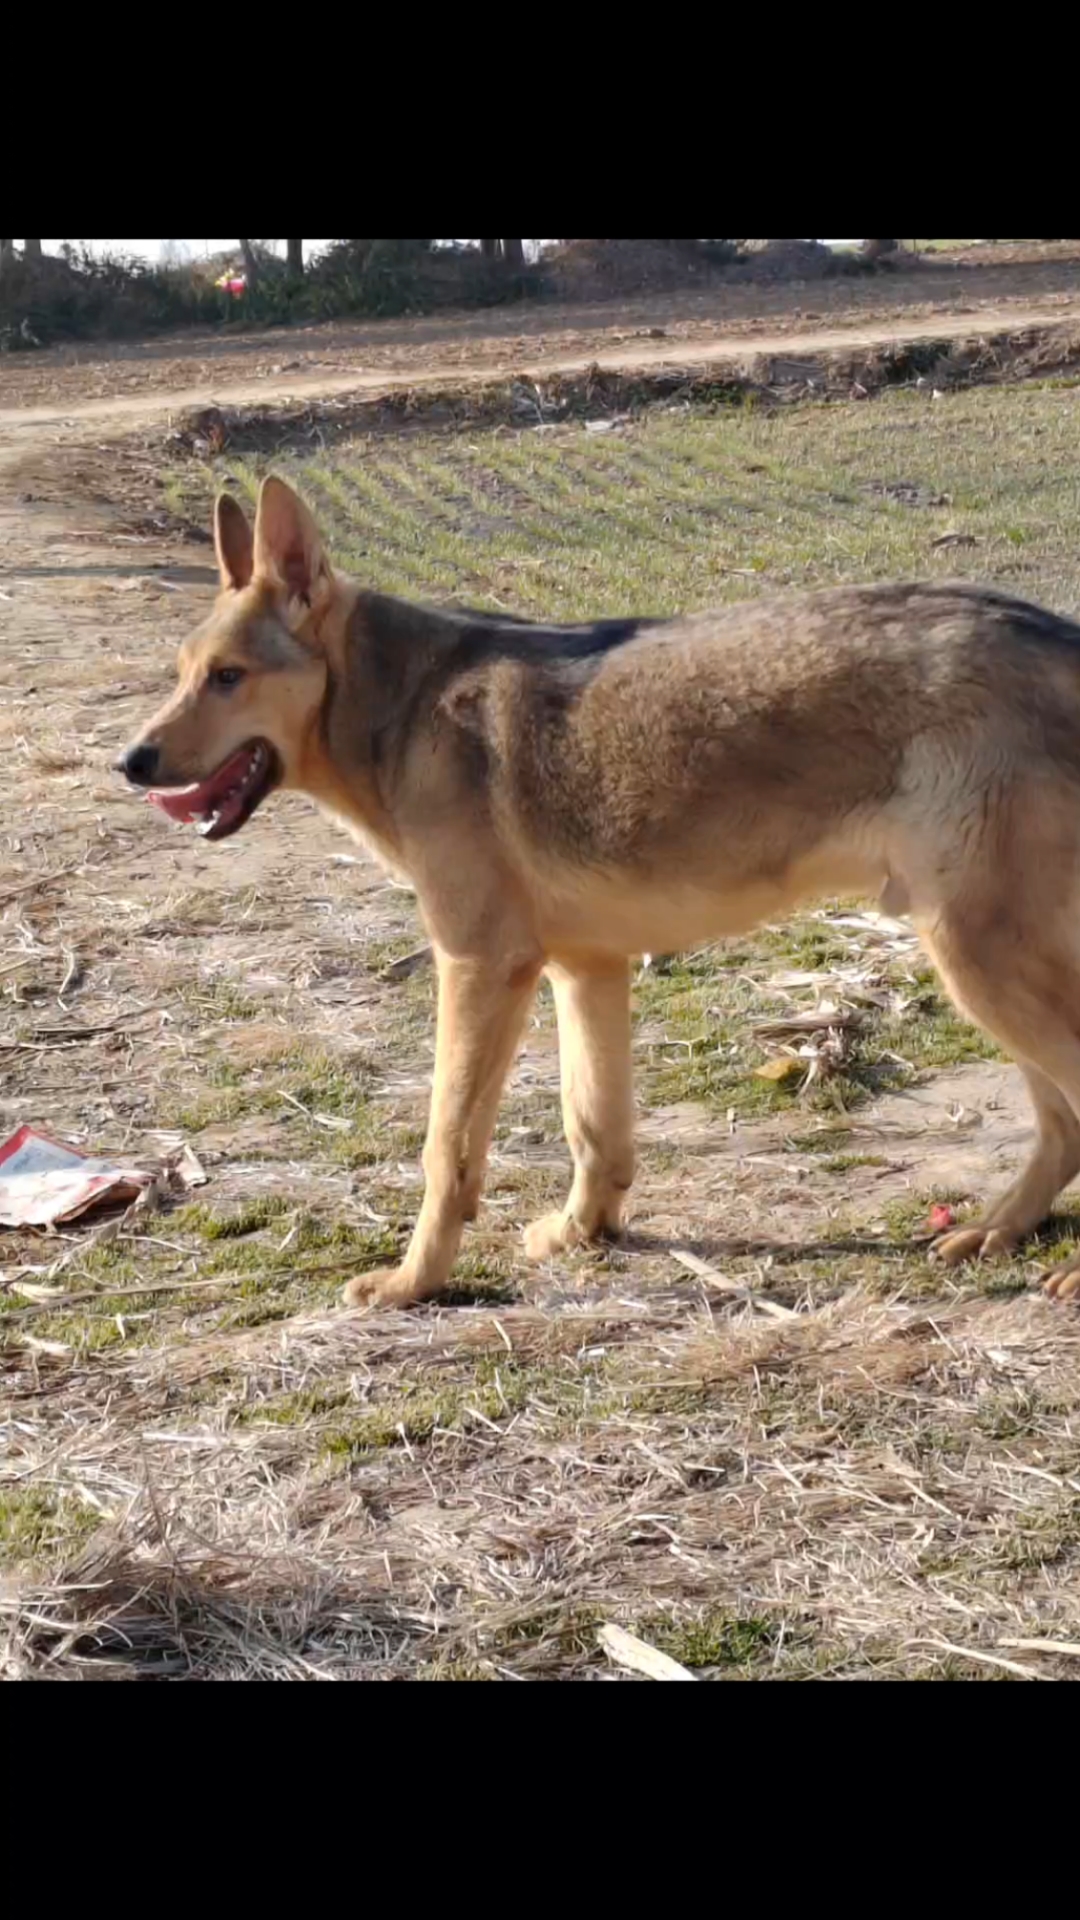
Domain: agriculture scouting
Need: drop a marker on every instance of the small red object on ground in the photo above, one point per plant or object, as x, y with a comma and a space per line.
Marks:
942, 1217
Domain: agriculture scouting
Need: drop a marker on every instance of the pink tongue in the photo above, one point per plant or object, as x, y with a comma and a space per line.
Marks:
194, 803
189, 804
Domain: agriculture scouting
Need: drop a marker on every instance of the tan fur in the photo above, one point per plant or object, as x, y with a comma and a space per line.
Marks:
562, 800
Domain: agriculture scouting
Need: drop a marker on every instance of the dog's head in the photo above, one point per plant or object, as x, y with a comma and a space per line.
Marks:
253, 677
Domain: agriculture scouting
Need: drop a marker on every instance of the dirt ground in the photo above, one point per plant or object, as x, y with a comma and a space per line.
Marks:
126, 949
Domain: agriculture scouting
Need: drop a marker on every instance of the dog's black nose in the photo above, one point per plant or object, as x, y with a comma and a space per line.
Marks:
140, 765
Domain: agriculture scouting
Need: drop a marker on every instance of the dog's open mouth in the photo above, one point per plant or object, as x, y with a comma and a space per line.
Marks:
221, 804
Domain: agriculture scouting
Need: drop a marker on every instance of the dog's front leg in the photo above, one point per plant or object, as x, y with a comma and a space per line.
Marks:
482, 1007
592, 1000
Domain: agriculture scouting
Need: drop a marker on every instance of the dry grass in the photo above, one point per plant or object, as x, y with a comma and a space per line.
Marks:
764, 1434
862, 1491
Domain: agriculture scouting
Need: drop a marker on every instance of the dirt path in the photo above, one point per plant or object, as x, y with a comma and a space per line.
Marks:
623, 355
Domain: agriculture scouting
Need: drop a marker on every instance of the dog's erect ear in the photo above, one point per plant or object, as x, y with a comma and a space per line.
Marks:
233, 543
287, 543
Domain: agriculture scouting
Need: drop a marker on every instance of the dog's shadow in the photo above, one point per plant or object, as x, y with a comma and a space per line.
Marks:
463, 1293
714, 1250
1055, 1230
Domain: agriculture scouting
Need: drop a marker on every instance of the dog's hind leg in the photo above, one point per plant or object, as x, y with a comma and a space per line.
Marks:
482, 1007
593, 1005
1005, 974
1019, 1210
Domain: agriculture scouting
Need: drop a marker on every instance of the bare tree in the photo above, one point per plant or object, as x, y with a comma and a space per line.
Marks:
294, 251
32, 249
251, 264
512, 251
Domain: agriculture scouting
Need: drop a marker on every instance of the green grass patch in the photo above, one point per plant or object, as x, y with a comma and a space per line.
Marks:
681, 511
847, 1162
252, 1217
414, 1414
270, 1258
698, 1013
218, 1000
319, 1099
42, 1525
489, 1392
713, 1639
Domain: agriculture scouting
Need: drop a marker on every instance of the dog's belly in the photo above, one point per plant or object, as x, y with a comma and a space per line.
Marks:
626, 914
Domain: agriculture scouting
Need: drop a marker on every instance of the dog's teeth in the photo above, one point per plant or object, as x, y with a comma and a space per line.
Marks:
256, 763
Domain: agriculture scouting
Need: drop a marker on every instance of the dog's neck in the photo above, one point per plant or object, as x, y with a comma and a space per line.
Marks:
379, 653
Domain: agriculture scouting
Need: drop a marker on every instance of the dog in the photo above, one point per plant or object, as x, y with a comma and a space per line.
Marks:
565, 798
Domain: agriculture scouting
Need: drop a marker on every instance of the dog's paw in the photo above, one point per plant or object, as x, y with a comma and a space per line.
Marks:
979, 1241
386, 1287
1063, 1284
552, 1234
559, 1233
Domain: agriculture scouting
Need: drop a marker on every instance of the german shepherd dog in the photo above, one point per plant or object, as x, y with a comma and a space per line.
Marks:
562, 799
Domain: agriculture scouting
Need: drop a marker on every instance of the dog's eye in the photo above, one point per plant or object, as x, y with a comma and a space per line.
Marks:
223, 678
